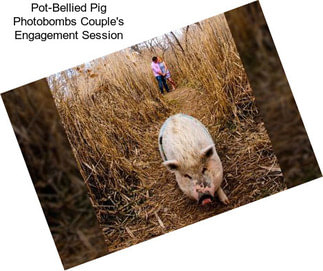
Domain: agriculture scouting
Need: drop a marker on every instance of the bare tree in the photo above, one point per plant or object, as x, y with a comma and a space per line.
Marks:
178, 42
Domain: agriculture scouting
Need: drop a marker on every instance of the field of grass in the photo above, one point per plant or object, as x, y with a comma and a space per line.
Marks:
112, 111
54, 173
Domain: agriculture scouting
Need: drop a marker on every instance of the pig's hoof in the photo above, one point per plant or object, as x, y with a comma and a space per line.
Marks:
224, 199
222, 196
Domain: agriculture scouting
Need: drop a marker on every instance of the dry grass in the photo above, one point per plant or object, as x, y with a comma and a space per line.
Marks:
273, 94
112, 111
54, 173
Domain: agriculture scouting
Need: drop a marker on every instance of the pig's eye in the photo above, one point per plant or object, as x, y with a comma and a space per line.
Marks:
203, 170
187, 176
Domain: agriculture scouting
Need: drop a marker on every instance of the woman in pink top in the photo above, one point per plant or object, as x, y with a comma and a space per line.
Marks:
159, 75
166, 71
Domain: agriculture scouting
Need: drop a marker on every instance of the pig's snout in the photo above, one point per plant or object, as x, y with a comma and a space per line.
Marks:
205, 194
205, 199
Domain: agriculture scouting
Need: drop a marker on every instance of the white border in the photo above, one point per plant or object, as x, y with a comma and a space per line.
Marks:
281, 232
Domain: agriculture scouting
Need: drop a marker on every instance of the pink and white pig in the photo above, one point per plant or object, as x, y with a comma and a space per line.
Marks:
188, 150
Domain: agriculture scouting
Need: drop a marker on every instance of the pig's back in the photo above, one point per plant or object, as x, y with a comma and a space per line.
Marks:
182, 138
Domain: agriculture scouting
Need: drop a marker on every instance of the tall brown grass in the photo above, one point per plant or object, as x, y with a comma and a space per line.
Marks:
54, 172
112, 110
273, 94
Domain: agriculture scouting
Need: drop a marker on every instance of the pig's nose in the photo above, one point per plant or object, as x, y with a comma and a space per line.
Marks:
204, 190
205, 198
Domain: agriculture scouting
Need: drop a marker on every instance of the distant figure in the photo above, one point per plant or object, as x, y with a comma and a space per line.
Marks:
165, 70
160, 76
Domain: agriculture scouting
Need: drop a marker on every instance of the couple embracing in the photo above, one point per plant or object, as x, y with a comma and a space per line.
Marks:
162, 74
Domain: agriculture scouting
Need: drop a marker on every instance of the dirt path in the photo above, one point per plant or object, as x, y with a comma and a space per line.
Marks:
187, 101
251, 172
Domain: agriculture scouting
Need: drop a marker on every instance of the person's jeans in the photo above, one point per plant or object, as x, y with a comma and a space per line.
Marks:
162, 83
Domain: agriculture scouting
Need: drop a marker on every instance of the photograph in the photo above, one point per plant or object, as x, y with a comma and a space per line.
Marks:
160, 135
166, 133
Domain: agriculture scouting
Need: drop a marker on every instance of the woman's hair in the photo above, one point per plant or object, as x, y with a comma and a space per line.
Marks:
160, 58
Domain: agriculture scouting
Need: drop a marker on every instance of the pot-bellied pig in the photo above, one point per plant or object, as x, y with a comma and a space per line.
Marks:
188, 151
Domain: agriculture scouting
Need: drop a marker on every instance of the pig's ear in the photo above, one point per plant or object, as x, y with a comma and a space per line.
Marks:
172, 165
207, 152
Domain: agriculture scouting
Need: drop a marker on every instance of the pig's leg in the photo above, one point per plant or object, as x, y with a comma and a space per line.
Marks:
222, 196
